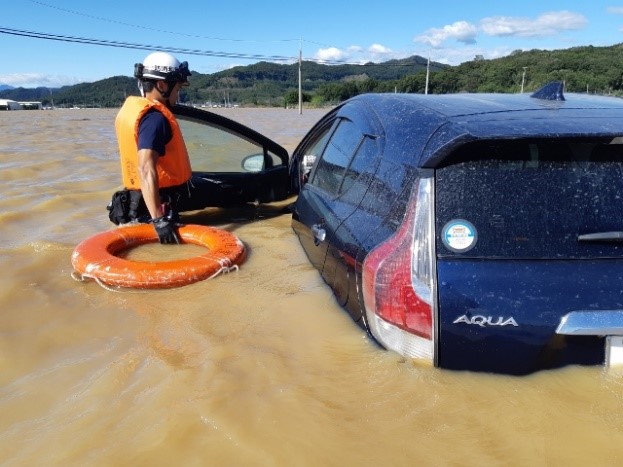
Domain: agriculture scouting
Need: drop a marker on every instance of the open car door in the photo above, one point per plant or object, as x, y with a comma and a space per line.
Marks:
232, 164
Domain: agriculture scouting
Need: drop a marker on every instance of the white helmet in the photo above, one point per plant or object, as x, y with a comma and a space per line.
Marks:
162, 66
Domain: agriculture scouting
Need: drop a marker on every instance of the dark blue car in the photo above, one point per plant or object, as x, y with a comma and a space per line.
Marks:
475, 232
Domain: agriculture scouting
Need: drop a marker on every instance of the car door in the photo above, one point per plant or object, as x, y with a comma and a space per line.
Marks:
232, 164
331, 195
345, 241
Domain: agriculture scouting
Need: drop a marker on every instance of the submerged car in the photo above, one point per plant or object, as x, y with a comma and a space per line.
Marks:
477, 232
474, 232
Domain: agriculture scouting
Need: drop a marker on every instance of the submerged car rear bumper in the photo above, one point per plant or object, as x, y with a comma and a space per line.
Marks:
505, 316
592, 323
602, 323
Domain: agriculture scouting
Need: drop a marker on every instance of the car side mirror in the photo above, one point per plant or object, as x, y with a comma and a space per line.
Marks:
253, 163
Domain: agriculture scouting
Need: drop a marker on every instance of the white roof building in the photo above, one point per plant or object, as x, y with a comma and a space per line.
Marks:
8, 104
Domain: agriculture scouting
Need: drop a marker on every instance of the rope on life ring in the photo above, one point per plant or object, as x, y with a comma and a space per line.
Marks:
95, 258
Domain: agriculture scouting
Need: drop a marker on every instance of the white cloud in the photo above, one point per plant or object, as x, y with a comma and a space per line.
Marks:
330, 54
547, 24
354, 49
461, 31
615, 10
434, 41
355, 54
34, 80
378, 49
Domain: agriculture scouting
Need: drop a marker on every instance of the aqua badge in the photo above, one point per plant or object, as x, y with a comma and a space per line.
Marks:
459, 236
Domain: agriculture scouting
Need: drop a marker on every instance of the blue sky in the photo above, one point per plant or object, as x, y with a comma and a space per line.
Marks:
213, 36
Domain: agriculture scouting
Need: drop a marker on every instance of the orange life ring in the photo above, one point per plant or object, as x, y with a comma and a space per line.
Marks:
95, 257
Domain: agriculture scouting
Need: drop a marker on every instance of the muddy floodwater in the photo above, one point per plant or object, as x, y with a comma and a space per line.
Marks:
257, 367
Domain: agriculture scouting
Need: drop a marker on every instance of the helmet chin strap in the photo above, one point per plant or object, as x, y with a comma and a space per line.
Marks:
167, 93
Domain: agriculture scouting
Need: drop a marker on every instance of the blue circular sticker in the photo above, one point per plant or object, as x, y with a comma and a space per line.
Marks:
459, 236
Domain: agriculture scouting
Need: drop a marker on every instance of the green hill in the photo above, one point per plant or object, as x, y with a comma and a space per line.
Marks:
261, 83
583, 69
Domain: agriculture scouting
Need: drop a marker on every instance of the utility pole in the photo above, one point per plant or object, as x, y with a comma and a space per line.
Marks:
523, 78
300, 83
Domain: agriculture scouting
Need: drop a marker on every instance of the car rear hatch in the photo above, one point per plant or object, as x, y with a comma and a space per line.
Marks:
529, 249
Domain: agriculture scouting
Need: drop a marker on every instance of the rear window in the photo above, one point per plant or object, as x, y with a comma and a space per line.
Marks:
536, 199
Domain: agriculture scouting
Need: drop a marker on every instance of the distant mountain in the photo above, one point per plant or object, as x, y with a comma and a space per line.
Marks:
5, 86
583, 69
266, 83
26, 94
109, 92
261, 83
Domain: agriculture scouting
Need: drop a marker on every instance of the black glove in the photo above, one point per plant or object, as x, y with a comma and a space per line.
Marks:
166, 230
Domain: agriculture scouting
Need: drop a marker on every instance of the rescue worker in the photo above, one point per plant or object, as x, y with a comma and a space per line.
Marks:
155, 166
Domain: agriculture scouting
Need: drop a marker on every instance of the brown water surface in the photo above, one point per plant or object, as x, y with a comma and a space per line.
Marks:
255, 367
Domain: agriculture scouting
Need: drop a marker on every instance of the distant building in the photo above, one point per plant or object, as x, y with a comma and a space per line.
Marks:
31, 105
7, 104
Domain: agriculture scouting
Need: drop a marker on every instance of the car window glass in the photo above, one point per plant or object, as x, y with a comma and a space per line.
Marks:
336, 157
315, 147
533, 200
355, 183
312, 151
214, 150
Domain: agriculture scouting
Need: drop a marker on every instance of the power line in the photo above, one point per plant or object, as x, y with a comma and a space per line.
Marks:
196, 36
208, 53
129, 45
177, 50
109, 20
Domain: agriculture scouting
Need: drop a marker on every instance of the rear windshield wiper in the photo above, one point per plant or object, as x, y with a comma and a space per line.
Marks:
615, 236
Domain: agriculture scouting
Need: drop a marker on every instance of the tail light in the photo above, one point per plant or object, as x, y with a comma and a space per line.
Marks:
398, 281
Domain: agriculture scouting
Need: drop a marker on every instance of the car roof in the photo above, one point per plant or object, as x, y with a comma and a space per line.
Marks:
433, 126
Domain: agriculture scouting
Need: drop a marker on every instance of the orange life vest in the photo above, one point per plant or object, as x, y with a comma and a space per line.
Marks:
173, 169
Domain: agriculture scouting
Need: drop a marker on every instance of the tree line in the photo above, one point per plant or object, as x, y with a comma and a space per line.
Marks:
583, 69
